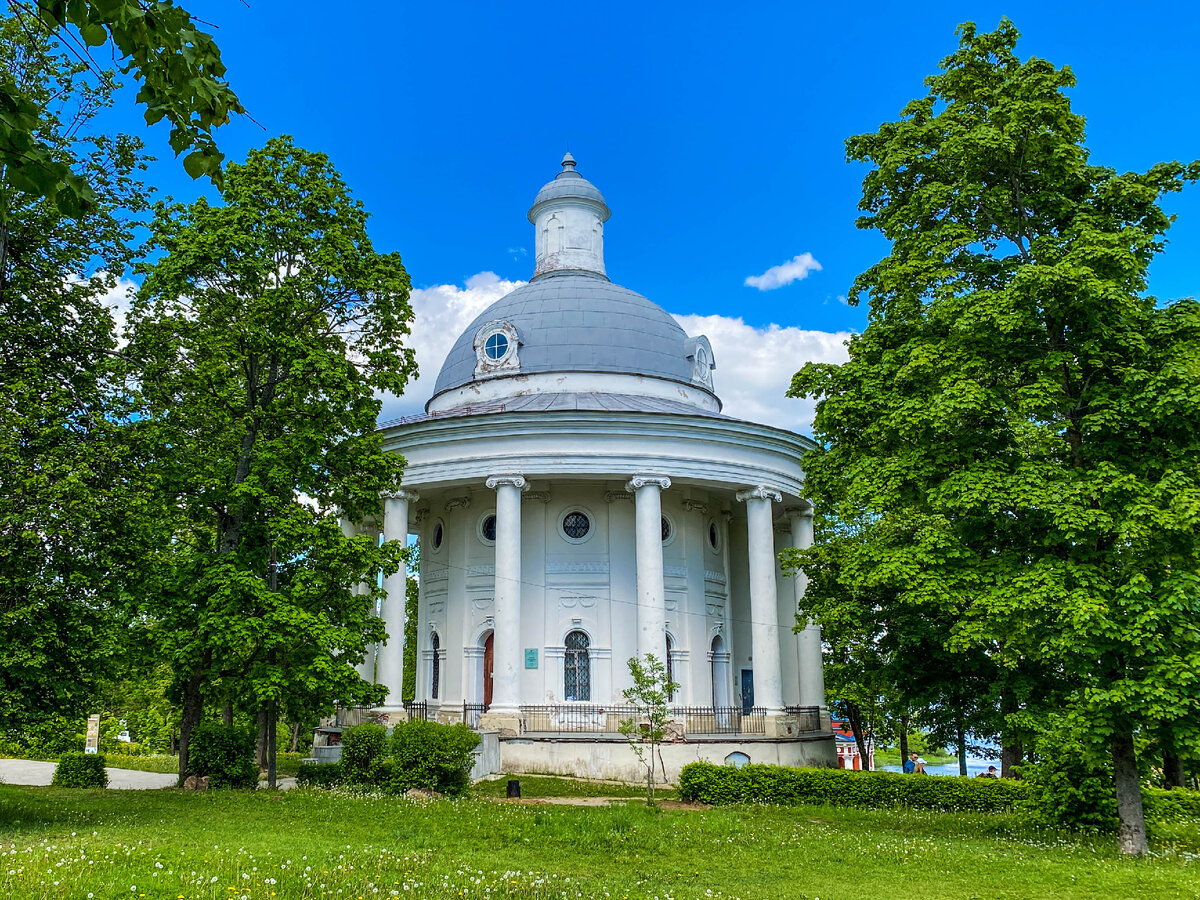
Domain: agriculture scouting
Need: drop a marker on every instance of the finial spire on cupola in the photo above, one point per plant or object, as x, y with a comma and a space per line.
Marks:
568, 217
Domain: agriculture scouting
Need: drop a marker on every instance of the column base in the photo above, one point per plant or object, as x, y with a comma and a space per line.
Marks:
781, 725
505, 723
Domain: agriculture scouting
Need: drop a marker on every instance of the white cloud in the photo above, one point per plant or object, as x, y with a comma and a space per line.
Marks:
795, 269
443, 312
755, 367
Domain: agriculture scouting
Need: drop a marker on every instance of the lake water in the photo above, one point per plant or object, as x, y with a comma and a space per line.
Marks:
974, 767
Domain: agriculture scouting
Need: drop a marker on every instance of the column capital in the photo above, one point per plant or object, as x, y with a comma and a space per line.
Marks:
637, 482
511, 479
401, 494
761, 492
799, 512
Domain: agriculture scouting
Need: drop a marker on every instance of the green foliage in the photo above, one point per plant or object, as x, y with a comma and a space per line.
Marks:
225, 753
1009, 466
80, 770
319, 774
260, 353
181, 75
650, 694
1068, 788
362, 747
70, 530
431, 756
709, 783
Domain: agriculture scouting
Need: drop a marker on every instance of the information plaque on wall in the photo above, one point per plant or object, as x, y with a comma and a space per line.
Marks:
531, 657
93, 735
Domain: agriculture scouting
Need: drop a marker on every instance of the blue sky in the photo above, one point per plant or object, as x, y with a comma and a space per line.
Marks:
715, 132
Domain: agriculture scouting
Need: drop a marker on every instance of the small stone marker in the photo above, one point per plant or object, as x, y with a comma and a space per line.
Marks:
92, 744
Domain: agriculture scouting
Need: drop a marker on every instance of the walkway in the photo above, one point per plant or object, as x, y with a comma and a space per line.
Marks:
30, 772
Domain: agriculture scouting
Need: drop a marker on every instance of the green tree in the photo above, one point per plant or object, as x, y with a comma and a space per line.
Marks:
1019, 425
260, 340
179, 68
70, 527
650, 695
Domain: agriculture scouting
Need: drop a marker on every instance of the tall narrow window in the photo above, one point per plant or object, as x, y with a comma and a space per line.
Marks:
436, 668
577, 672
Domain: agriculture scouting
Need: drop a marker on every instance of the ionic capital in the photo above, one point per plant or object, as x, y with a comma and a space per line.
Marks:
637, 482
511, 480
762, 492
799, 512
407, 494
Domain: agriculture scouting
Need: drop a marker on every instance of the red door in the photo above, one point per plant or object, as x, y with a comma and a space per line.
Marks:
487, 672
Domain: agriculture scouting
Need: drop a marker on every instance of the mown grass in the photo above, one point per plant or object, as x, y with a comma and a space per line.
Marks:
309, 844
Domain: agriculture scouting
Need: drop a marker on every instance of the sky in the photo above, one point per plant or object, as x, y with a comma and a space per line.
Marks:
715, 132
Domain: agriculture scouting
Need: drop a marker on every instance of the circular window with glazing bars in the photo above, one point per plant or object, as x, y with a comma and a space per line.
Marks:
487, 528
575, 525
668, 530
496, 345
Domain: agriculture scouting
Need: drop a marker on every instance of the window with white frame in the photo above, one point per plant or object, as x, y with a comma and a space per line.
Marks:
577, 668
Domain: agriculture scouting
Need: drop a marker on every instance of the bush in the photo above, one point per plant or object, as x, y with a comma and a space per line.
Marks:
319, 774
225, 753
1170, 805
362, 745
1066, 788
709, 783
80, 770
431, 756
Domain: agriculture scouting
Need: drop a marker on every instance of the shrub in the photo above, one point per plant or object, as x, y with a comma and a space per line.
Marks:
431, 756
709, 783
319, 774
1068, 789
225, 753
362, 745
80, 770
1171, 805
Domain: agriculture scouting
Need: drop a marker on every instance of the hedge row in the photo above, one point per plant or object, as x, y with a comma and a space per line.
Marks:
423, 755
80, 770
708, 783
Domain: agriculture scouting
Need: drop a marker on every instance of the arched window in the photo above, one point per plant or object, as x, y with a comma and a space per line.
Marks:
577, 669
670, 665
436, 668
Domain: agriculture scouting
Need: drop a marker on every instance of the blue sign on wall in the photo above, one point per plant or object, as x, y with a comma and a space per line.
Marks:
531, 657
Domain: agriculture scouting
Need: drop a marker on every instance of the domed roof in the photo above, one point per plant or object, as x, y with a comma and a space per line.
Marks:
578, 322
569, 184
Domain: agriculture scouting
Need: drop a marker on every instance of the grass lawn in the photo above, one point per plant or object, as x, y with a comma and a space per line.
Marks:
171, 844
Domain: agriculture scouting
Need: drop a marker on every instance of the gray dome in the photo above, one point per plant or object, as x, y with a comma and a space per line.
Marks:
570, 321
569, 183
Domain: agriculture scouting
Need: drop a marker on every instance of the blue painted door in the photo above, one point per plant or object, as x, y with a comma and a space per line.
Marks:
747, 690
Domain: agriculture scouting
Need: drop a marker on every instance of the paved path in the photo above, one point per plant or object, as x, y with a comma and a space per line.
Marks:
26, 771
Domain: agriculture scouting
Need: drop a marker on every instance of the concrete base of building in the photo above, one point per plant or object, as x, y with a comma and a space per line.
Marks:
611, 758
504, 724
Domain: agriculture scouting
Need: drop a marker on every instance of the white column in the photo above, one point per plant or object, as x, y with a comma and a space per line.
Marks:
651, 595
812, 671
390, 665
366, 668
764, 616
507, 662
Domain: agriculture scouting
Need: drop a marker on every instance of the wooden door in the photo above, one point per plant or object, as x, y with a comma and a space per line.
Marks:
488, 656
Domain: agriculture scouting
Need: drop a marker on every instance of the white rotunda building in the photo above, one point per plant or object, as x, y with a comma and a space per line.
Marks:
580, 500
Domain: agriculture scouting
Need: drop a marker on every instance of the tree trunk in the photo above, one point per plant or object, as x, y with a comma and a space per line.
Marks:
272, 722
903, 740
227, 714
1132, 835
260, 749
960, 733
193, 709
1173, 775
294, 743
1012, 754
854, 717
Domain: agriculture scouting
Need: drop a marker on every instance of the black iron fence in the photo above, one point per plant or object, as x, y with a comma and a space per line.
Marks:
472, 712
808, 717
581, 718
721, 719
417, 710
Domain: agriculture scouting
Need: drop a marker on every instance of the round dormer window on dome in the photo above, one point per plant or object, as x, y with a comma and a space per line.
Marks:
496, 345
